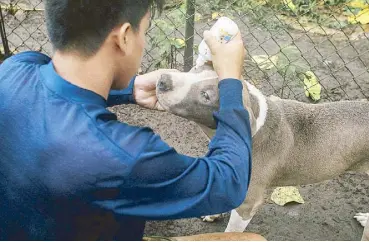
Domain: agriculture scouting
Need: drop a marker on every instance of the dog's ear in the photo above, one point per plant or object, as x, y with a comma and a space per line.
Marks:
207, 66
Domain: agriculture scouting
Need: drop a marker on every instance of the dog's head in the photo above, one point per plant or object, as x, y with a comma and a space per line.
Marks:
192, 95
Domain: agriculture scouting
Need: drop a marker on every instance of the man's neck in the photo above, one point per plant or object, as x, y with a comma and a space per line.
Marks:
93, 74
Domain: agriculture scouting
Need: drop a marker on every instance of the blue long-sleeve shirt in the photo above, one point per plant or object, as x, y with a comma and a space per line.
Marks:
65, 159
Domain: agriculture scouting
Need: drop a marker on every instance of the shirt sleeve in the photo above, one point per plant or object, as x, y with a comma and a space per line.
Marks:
163, 184
124, 96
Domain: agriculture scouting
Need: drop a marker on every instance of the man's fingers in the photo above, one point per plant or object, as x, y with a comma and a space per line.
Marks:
210, 40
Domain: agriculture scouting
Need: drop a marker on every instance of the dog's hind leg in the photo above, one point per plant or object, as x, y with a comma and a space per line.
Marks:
366, 230
363, 219
211, 218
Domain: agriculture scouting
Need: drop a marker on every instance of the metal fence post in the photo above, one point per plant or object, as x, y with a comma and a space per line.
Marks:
189, 34
3, 35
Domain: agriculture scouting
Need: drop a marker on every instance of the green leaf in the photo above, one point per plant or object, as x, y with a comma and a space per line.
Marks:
283, 195
312, 87
178, 43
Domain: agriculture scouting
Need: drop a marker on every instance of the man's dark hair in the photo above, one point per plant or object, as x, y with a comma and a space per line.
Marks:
83, 25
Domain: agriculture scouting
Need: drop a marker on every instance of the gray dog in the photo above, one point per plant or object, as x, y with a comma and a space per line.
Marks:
294, 143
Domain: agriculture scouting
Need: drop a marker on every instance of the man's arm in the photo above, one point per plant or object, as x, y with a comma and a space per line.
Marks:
125, 96
162, 184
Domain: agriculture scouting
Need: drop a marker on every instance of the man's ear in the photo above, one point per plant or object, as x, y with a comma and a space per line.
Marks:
125, 38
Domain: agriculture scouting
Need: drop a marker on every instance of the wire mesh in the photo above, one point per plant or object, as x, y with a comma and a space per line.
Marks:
287, 40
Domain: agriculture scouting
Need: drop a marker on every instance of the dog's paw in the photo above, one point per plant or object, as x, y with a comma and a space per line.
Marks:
210, 218
362, 218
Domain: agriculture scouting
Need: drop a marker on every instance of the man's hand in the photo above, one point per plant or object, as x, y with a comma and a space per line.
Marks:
144, 90
228, 58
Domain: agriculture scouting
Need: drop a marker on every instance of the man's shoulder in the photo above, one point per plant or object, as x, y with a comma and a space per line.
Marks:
27, 57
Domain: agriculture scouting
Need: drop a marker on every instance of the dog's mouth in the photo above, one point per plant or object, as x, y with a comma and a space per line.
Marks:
163, 106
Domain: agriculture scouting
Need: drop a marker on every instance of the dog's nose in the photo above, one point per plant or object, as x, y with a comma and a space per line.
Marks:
165, 83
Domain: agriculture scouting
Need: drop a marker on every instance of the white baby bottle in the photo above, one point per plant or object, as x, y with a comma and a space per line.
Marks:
224, 30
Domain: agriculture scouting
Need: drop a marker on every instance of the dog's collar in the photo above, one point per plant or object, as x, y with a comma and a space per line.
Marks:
263, 105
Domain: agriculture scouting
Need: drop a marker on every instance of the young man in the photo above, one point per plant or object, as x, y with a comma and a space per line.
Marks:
66, 160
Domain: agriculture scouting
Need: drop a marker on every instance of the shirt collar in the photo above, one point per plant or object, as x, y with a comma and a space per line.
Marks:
68, 90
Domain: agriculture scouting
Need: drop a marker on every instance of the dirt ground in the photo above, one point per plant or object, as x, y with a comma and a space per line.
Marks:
341, 63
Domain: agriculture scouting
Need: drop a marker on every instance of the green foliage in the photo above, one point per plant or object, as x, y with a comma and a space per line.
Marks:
289, 64
327, 13
163, 38
166, 37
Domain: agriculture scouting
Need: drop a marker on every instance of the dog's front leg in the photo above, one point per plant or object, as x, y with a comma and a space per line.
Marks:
242, 216
365, 218
237, 223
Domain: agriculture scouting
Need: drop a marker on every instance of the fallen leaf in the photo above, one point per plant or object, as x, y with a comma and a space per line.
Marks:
198, 17
262, 2
283, 195
312, 87
358, 4
290, 5
264, 62
178, 43
362, 17
216, 15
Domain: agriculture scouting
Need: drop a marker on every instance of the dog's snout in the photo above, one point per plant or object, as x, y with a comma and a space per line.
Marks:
165, 83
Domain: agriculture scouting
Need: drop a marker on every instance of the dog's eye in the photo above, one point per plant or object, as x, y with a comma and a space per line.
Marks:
205, 95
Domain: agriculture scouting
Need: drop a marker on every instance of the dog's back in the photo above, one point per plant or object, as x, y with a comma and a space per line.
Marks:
312, 143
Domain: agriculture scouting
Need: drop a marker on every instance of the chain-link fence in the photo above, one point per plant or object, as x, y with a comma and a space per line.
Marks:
300, 49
